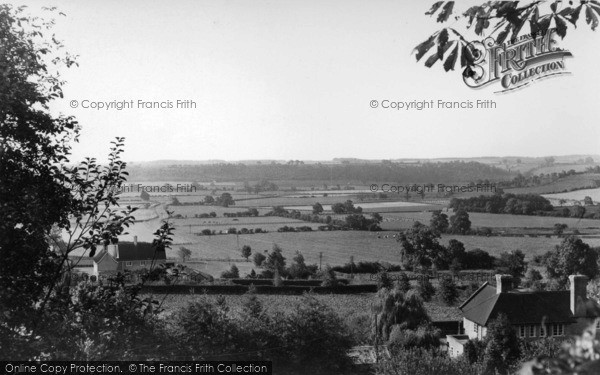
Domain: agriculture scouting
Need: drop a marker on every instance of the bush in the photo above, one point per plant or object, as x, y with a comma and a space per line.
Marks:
420, 361
425, 336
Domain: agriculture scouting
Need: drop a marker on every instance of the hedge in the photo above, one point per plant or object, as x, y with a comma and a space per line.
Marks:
260, 289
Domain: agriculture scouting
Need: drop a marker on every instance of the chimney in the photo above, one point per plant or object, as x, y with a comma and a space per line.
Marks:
134, 240
503, 283
578, 296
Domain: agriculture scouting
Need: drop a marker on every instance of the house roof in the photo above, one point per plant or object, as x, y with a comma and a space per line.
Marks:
522, 307
99, 255
129, 251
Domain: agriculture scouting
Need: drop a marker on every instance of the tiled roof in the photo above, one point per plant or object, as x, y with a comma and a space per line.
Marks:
521, 307
128, 251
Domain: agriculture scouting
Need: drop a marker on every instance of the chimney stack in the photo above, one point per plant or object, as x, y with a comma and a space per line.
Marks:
503, 283
578, 296
134, 240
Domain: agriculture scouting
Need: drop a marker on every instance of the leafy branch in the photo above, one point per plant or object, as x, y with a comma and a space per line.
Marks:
504, 20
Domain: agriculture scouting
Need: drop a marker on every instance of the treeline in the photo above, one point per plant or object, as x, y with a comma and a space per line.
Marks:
516, 204
351, 222
456, 171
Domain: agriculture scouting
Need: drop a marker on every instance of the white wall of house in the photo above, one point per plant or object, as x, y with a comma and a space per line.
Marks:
474, 330
455, 348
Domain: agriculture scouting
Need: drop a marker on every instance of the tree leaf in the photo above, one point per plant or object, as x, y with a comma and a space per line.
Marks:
561, 27
573, 15
435, 57
446, 12
503, 34
442, 40
451, 60
434, 8
425, 46
591, 18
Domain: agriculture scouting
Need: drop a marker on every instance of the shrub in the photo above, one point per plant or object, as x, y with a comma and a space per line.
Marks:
425, 336
420, 361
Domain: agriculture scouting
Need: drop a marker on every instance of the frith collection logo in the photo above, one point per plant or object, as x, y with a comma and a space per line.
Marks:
515, 64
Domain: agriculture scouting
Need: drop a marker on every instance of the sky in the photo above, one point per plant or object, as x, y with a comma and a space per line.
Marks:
293, 79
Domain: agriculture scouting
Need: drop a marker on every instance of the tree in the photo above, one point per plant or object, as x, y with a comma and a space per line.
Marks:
456, 252
384, 281
246, 251
425, 289
144, 196
587, 201
317, 208
533, 279
396, 308
559, 229
44, 314
439, 221
258, 259
571, 257
209, 200
512, 263
225, 200
448, 291
460, 223
328, 276
275, 261
184, 253
403, 283
502, 346
376, 217
420, 247
232, 273
299, 269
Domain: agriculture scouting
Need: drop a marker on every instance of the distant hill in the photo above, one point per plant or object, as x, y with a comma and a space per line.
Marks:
366, 173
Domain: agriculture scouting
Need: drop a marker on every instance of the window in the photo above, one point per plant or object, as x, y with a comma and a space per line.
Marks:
542, 331
521, 331
475, 327
531, 331
129, 264
558, 329
597, 323
142, 263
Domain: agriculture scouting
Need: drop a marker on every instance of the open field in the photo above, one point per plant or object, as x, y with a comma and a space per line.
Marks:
566, 184
576, 195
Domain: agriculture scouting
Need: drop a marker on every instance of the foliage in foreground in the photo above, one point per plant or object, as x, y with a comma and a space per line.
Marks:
311, 338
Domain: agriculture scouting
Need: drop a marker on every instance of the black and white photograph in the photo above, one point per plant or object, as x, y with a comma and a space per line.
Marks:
300, 187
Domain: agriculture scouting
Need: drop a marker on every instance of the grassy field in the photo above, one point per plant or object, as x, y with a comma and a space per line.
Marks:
565, 184
576, 195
